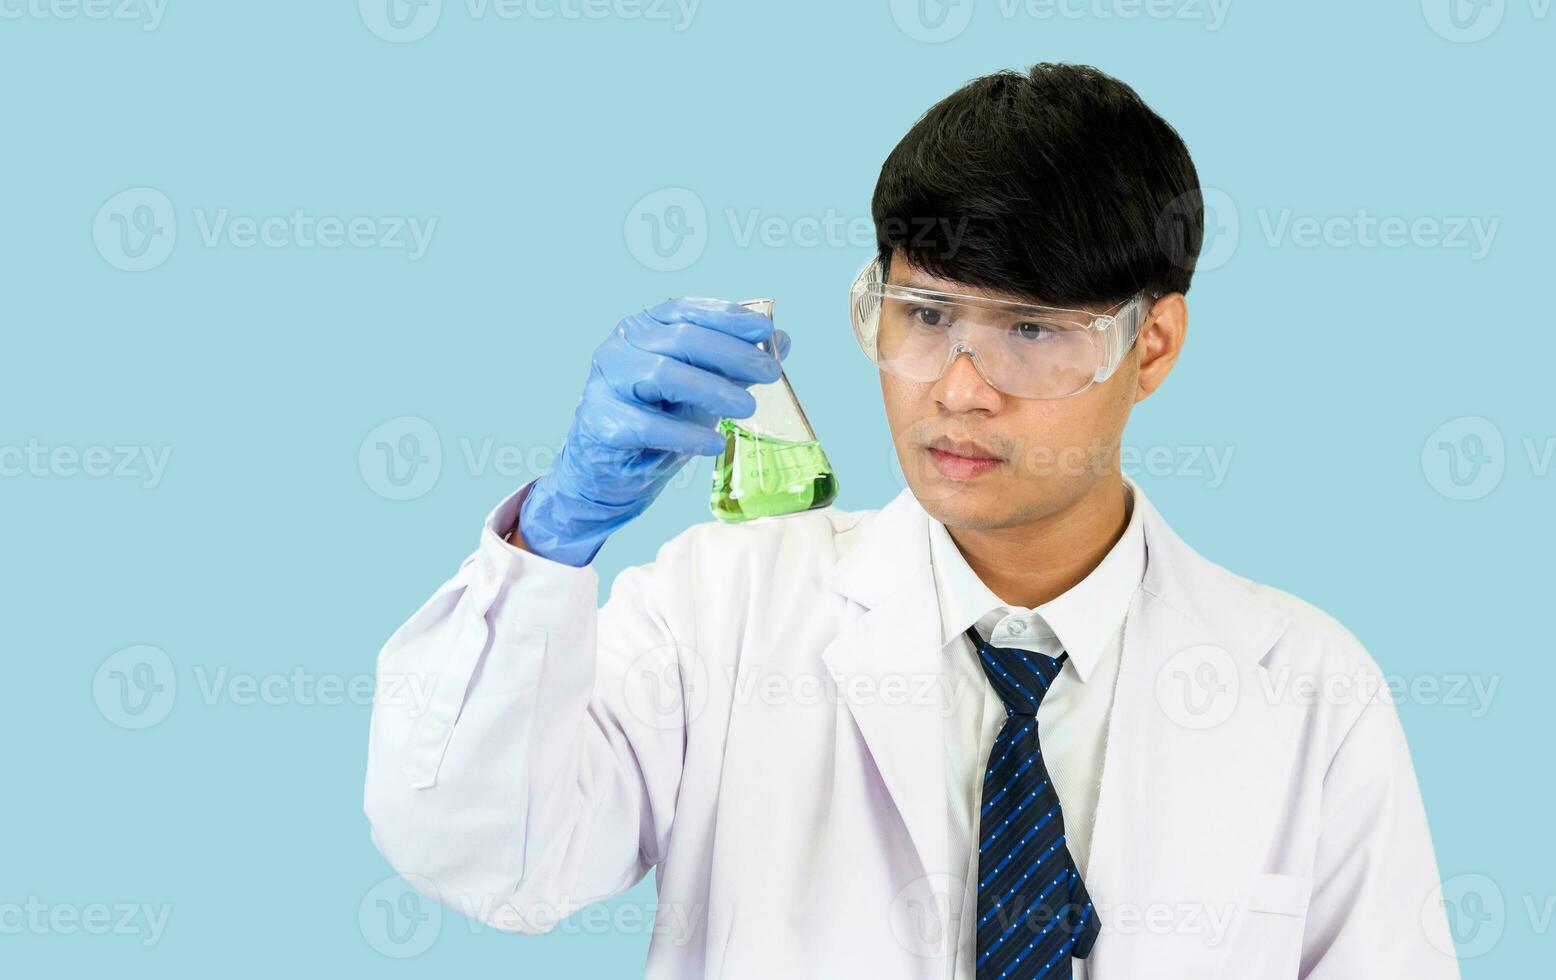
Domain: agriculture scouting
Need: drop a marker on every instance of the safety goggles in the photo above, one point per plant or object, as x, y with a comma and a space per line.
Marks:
1021, 349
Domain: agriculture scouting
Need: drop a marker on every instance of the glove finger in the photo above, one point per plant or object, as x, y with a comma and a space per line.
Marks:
729, 357
648, 378
715, 314
630, 427
783, 344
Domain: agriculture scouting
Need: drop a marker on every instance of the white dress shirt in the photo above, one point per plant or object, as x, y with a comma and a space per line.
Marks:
1087, 622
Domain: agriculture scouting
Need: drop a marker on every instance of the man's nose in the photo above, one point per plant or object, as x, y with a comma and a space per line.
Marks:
962, 388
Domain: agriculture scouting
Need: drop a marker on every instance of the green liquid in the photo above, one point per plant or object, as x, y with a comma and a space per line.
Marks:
758, 476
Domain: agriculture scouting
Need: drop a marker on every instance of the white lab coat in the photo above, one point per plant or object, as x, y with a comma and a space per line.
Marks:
757, 714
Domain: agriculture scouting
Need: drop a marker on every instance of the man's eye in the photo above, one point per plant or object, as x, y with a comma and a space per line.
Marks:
928, 317
1032, 331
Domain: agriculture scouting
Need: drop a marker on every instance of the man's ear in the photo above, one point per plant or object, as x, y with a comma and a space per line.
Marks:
1159, 342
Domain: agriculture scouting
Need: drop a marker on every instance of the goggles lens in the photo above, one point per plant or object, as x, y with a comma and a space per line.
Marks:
1024, 350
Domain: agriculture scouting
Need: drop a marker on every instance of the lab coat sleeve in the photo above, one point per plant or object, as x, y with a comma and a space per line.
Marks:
1372, 912
508, 774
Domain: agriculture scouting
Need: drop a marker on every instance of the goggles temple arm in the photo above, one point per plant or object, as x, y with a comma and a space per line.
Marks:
1120, 331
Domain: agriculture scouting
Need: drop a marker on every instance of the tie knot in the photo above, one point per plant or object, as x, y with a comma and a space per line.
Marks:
1019, 677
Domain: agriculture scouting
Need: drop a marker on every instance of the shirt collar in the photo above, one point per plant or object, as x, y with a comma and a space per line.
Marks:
1080, 621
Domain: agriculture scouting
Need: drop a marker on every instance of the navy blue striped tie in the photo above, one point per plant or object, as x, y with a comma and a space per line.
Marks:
1033, 910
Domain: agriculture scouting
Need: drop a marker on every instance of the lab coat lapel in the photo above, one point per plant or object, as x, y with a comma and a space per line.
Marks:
887, 667
1196, 759
1196, 766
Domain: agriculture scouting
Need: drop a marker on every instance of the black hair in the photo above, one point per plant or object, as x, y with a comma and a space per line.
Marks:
1059, 185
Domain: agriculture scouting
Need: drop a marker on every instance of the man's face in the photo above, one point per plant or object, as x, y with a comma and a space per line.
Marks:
1049, 451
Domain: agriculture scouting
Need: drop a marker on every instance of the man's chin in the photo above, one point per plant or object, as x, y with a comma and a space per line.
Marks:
960, 503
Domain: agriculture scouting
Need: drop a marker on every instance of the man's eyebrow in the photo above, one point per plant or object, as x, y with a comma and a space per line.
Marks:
948, 288
961, 294
915, 280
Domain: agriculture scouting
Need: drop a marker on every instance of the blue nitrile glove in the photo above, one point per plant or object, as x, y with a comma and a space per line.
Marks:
657, 388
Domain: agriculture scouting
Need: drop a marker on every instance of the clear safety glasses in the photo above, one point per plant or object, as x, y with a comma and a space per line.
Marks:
1021, 349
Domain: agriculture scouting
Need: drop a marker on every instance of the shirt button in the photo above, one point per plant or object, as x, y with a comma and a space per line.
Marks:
1018, 627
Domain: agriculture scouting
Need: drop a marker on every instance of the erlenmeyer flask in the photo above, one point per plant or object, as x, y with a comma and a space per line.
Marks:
772, 463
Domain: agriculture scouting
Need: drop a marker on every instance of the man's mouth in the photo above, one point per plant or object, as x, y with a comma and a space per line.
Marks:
960, 460
964, 449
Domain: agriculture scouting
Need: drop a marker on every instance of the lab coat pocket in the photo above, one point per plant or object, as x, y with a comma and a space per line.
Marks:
474, 670
1280, 894
1267, 937
510, 665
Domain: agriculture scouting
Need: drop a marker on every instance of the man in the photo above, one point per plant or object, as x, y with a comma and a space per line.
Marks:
1009, 725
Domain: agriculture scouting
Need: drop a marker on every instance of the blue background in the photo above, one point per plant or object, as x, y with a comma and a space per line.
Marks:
272, 548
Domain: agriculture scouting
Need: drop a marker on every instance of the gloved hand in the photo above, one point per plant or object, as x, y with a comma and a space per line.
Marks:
657, 388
